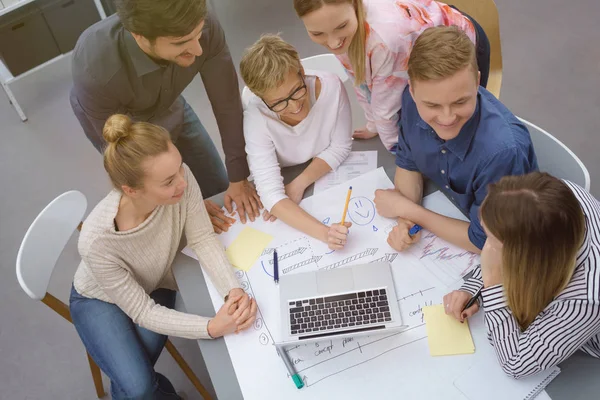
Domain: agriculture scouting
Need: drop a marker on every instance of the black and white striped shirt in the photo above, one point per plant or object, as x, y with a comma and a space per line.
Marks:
569, 323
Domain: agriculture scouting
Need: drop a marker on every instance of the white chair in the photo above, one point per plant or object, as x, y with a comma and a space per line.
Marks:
556, 158
321, 62
40, 249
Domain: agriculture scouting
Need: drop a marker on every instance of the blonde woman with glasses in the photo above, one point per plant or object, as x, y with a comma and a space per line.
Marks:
539, 277
293, 116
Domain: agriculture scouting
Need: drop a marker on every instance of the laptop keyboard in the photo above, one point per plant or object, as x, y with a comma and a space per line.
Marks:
358, 309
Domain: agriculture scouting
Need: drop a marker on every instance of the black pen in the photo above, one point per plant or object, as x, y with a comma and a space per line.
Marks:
472, 300
275, 267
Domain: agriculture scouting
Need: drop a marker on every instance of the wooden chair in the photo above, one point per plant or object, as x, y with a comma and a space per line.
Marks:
486, 14
40, 249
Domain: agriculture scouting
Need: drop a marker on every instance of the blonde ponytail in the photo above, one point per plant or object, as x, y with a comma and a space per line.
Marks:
128, 145
356, 50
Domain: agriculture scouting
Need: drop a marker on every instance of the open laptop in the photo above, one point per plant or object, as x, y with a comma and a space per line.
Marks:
352, 301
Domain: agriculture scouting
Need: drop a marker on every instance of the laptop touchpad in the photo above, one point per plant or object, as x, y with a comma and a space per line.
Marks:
336, 280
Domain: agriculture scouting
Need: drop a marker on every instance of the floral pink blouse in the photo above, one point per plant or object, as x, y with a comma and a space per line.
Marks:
392, 28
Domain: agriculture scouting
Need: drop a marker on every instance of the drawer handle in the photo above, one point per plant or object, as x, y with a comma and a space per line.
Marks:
67, 4
17, 26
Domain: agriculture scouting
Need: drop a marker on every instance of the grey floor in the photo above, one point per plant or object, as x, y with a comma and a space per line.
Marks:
551, 77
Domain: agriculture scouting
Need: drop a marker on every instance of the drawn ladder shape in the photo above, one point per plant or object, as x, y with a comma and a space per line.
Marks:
301, 264
366, 253
299, 250
389, 257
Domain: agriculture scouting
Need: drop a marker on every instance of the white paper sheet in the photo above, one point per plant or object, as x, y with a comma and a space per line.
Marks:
357, 163
380, 366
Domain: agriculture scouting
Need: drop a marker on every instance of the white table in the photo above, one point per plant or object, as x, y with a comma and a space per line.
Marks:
578, 379
6, 77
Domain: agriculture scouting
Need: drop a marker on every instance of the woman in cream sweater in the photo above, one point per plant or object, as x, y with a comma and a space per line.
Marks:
123, 292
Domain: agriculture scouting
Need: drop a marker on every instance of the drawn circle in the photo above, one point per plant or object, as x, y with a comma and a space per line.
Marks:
361, 210
239, 274
265, 269
258, 324
264, 339
244, 285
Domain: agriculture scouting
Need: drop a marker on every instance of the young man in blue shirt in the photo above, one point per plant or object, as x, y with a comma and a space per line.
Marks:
457, 134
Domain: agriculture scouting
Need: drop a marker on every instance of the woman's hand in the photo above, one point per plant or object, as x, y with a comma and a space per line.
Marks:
251, 317
244, 310
220, 221
224, 322
491, 264
363, 133
267, 216
337, 235
399, 239
454, 303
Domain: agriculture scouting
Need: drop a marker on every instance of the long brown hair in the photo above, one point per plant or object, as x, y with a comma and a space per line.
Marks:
541, 225
356, 51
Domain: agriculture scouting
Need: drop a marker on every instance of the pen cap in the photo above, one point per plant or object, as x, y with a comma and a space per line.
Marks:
298, 381
414, 230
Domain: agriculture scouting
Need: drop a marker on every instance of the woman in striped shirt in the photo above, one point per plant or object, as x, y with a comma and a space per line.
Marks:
539, 274
372, 39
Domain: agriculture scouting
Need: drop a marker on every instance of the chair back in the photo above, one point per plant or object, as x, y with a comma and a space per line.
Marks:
486, 14
45, 240
321, 62
556, 158
325, 62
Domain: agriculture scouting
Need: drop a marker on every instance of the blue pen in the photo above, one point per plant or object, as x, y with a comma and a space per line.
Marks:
414, 230
275, 267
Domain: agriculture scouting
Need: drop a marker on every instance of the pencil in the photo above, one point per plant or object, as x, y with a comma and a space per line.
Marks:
346, 206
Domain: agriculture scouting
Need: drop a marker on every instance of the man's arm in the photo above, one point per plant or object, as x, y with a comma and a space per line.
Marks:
451, 230
221, 83
92, 104
410, 184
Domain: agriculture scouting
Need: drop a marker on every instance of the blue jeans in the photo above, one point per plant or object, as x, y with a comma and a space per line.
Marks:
124, 351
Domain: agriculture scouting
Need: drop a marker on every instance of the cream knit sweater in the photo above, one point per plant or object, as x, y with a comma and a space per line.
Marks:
124, 267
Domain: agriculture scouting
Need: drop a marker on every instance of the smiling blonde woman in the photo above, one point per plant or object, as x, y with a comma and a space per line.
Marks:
293, 116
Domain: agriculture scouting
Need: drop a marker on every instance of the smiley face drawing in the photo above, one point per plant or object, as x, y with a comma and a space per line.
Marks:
361, 210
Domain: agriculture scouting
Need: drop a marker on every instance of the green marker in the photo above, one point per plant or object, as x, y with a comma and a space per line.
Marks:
290, 367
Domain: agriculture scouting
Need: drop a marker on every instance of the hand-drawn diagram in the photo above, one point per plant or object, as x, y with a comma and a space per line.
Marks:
361, 210
351, 259
265, 336
444, 261
325, 366
389, 257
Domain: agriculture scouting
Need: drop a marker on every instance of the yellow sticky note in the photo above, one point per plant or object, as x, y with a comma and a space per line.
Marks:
446, 335
247, 247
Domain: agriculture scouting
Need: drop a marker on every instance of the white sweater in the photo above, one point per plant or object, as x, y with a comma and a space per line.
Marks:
271, 144
124, 267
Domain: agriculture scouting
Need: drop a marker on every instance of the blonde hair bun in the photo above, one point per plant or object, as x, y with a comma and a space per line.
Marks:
117, 127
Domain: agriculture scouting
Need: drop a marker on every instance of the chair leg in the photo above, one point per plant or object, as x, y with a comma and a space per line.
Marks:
187, 370
97, 375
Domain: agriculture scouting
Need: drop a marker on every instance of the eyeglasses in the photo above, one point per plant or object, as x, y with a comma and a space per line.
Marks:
296, 95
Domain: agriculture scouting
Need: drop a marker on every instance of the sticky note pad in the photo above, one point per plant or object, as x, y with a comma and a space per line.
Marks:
446, 335
247, 247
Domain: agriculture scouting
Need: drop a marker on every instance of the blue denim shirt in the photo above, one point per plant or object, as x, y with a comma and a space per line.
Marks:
492, 144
